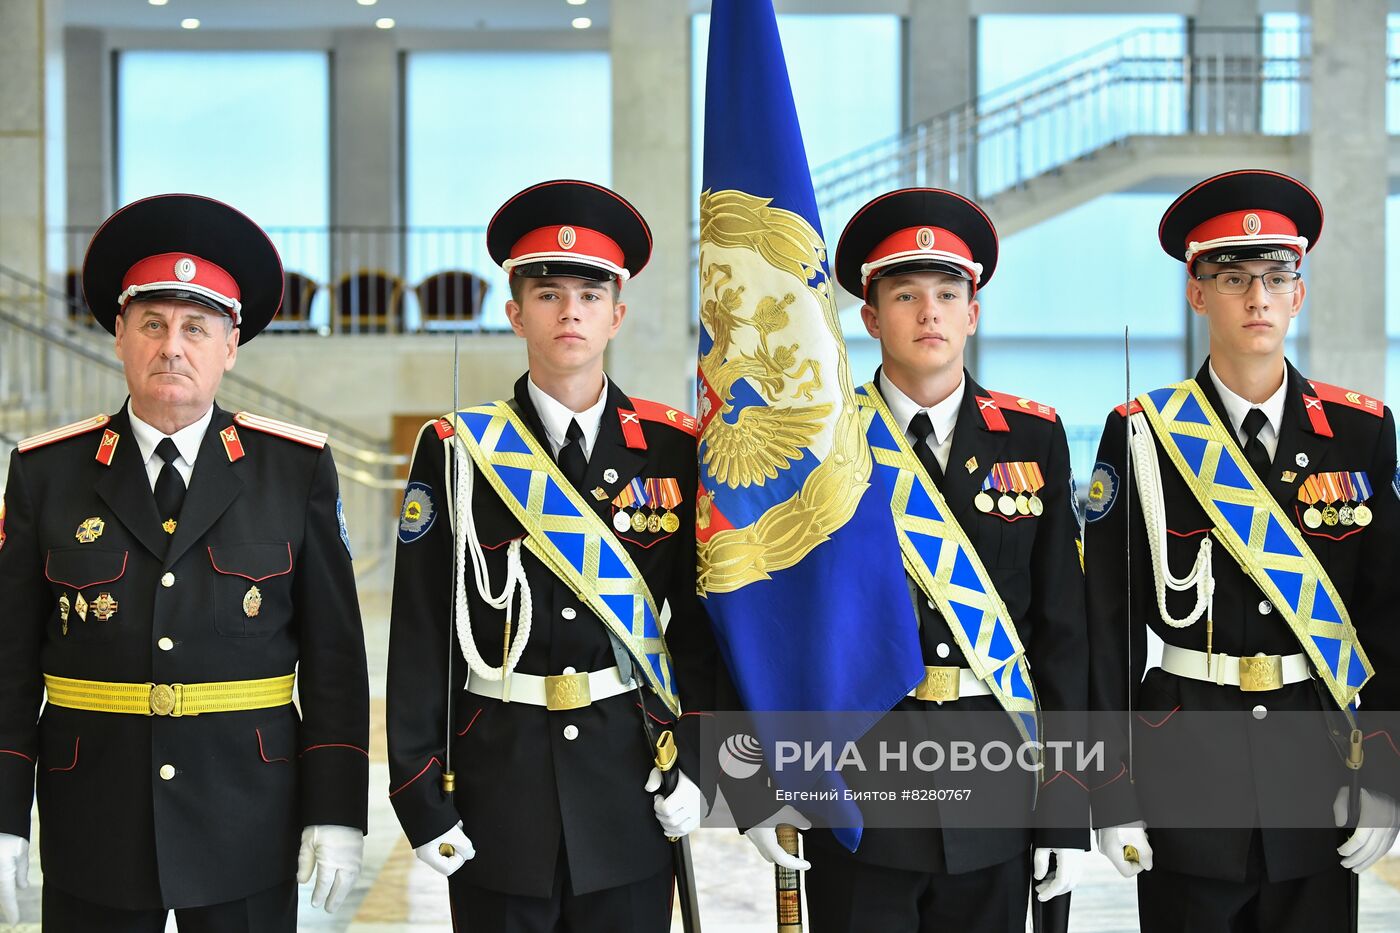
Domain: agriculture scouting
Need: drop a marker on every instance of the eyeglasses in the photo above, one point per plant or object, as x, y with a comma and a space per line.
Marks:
1278, 282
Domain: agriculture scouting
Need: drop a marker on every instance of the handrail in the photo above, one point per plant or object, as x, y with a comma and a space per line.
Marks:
369, 448
1193, 82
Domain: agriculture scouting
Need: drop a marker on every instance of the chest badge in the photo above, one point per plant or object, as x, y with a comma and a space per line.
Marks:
104, 607
168, 525
63, 607
252, 602
90, 530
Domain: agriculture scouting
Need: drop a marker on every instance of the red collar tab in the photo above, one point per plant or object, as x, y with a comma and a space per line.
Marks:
991, 414
233, 447
1025, 406
108, 448
1313, 406
1340, 396
665, 414
171, 271
1128, 408
567, 243
632, 429
444, 429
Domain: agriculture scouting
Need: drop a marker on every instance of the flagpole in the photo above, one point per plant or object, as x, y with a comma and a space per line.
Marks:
787, 882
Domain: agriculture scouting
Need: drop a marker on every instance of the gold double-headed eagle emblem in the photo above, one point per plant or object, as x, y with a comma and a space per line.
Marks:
745, 240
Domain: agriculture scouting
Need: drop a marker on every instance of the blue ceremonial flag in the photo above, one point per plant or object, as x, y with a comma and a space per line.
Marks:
801, 570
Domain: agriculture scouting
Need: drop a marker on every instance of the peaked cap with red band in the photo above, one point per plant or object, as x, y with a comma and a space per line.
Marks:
185, 247
916, 230
1241, 216
569, 228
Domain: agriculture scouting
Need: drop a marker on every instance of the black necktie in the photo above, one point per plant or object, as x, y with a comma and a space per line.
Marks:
922, 429
170, 486
571, 459
1254, 450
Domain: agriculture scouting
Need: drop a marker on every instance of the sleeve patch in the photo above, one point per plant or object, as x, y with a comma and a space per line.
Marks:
344, 532
1103, 491
418, 512
1074, 500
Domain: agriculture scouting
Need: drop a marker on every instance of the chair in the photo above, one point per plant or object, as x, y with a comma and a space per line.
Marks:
368, 302
78, 312
298, 291
450, 297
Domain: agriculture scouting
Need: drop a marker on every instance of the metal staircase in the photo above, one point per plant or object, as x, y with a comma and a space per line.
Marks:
1150, 106
56, 369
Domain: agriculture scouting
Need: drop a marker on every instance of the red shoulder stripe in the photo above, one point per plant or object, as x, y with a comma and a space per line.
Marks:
665, 414
1008, 402
1339, 396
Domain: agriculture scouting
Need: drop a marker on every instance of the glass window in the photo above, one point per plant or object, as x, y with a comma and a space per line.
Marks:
249, 128
479, 126
1066, 287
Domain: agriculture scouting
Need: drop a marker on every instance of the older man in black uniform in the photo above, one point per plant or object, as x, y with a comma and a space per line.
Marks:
168, 572
917, 258
544, 608
1272, 494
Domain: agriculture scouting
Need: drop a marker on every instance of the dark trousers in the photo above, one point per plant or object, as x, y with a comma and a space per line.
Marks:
271, 911
846, 895
640, 907
1171, 902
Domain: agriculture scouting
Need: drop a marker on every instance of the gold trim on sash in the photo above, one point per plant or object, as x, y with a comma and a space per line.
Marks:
936, 582
1251, 554
586, 582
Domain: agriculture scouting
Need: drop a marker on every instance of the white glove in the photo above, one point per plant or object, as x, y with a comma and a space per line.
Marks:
1112, 839
764, 838
683, 810
1376, 829
1069, 866
431, 853
336, 853
14, 873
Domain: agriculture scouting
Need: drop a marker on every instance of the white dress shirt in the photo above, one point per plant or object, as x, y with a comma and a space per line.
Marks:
556, 417
1237, 406
944, 415
187, 441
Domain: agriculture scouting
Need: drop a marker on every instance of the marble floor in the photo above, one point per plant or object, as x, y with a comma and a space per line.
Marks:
397, 893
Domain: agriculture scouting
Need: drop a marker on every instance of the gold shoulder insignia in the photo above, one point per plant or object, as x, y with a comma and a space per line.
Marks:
63, 433
281, 429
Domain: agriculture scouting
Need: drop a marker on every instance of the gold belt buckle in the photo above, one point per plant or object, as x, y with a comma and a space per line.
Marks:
167, 699
1261, 673
940, 685
567, 691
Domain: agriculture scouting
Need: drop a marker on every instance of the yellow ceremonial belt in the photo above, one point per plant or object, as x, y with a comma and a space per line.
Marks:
1257, 533
938, 554
564, 532
227, 696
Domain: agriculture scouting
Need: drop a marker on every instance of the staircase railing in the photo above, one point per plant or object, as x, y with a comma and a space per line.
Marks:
53, 371
1208, 82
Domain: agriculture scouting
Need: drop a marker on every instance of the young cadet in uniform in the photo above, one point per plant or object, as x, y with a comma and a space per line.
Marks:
1259, 481
918, 257
168, 571
562, 519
